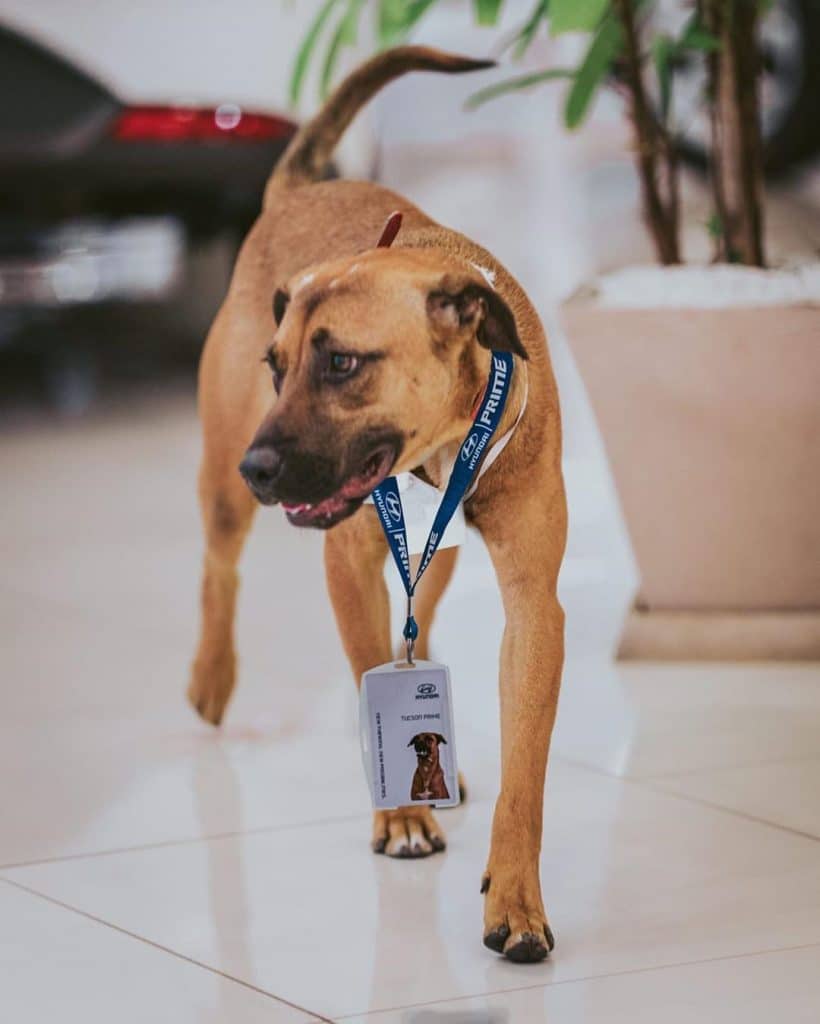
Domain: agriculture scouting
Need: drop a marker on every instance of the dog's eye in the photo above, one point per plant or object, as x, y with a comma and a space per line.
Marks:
342, 364
270, 358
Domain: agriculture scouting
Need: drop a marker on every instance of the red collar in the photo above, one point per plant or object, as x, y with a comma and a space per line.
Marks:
390, 230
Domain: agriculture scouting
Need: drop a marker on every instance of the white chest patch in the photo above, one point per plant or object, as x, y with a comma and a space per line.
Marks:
420, 502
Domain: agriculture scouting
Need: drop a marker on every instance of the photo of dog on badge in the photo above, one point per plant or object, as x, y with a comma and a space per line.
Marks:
428, 778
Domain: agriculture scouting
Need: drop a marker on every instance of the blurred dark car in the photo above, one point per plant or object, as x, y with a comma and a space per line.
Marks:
108, 209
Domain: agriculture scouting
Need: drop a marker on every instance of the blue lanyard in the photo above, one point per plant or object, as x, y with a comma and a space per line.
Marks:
387, 499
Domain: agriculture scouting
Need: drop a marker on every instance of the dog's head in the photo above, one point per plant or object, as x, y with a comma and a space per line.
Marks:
377, 361
426, 745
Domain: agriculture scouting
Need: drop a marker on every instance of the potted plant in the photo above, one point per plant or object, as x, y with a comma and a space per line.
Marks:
704, 378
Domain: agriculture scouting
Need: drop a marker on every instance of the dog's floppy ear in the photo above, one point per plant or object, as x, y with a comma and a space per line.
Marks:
460, 304
410, 744
439, 737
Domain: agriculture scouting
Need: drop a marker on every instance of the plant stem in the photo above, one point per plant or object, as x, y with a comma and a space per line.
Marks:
737, 167
656, 162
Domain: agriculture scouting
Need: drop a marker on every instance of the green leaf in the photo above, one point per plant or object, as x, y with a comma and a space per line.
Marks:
664, 49
300, 65
695, 37
345, 35
516, 84
700, 40
487, 11
714, 226
521, 42
396, 18
576, 15
596, 65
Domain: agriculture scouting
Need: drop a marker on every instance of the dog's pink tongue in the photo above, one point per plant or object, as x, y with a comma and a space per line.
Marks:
361, 485
357, 486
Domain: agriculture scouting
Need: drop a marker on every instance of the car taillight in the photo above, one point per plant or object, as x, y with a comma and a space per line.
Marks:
179, 124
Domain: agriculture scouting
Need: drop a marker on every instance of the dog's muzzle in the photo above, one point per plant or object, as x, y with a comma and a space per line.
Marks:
261, 469
312, 488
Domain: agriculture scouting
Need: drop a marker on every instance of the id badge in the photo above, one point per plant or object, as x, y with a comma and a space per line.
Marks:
407, 735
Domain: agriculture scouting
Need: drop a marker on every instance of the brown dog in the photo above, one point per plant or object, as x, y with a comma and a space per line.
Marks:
377, 361
428, 778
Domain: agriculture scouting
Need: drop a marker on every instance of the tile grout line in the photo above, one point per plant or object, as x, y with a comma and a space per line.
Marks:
162, 844
584, 979
737, 766
643, 783
164, 949
698, 801
212, 837
742, 815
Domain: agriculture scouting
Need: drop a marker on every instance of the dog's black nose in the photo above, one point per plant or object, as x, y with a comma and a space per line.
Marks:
261, 468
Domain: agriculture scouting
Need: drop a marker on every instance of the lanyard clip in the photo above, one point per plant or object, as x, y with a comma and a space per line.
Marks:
410, 631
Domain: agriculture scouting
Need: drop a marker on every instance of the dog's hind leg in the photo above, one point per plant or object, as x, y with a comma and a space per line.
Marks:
227, 508
229, 410
355, 551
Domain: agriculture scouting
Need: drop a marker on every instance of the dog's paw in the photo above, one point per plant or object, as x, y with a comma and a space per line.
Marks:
407, 832
211, 687
515, 924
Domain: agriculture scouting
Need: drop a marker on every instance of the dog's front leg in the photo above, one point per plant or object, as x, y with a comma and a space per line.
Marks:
355, 551
526, 549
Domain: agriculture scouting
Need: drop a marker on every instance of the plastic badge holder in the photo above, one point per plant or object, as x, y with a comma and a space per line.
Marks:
407, 735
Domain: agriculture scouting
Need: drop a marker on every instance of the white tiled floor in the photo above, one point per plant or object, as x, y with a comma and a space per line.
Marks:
56, 964
150, 867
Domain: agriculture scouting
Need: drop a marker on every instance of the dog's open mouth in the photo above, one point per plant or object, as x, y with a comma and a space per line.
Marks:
343, 502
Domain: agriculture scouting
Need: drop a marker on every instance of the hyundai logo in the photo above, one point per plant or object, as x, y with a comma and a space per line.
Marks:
469, 447
426, 688
393, 506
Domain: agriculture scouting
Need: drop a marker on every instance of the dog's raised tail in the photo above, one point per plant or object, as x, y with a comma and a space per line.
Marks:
310, 150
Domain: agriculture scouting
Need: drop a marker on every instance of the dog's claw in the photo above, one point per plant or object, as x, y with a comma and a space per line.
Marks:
495, 939
406, 852
528, 949
210, 688
514, 920
406, 833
